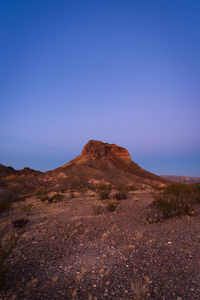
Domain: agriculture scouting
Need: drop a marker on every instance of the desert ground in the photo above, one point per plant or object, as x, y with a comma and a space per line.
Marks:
78, 249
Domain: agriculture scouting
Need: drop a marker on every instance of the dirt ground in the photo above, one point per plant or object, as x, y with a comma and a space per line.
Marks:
68, 251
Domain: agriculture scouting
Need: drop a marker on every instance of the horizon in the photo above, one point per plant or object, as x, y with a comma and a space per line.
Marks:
150, 165
123, 72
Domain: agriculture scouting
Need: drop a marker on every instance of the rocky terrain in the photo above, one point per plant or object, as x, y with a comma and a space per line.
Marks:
78, 249
82, 231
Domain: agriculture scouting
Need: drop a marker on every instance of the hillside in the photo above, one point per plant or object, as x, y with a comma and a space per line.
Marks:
98, 164
103, 163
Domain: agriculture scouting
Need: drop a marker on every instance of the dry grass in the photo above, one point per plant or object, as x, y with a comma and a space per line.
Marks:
140, 290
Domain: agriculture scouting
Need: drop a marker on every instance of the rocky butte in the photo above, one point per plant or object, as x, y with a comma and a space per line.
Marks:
99, 163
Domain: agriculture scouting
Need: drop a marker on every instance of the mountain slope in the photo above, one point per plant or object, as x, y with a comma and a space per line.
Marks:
105, 163
99, 163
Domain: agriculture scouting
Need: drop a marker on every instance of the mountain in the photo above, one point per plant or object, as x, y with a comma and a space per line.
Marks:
103, 163
98, 164
181, 179
18, 181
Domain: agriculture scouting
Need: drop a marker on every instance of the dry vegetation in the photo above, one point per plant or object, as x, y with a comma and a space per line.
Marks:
96, 244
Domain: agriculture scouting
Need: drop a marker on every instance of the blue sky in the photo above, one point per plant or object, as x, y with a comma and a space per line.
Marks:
124, 72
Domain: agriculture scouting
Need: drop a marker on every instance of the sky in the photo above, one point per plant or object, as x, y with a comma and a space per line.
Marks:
120, 71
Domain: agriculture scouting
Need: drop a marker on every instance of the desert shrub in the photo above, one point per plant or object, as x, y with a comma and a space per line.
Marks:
123, 188
140, 289
196, 192
132, 188
44, 198
27, 208
104, 195
38, 192
20, 223
97, 207
4, 253
104, 188
56, 198
4, 205
112, 205
120, 196
104, 191
173, 200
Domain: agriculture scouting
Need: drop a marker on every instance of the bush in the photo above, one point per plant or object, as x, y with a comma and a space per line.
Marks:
4, 253
132, 188
120, 196
123, 188
56, 198
104, 191
173, 200
196, 192
112, 205
97, 207
104, 195
44, 198
27, 208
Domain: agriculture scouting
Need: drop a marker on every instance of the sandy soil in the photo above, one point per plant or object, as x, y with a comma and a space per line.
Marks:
67, 251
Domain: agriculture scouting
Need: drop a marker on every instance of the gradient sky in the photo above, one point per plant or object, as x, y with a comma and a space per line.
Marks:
124, 72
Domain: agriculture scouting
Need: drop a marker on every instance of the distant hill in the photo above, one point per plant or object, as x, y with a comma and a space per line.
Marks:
181, 179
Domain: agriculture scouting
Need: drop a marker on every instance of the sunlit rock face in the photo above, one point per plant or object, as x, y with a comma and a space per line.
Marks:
97, 150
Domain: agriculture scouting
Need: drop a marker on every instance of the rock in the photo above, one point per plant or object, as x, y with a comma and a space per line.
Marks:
96, 150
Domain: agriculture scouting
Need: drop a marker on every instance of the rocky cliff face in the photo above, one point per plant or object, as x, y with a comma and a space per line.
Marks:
96, 150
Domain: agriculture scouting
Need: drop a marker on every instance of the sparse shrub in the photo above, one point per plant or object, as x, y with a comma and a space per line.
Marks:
38, 193
56, 198
4, 205
104, 191
123, 188
132, 188
44, 198
196, 192
97, 207
120, 196
140, 289
4, 253
112, 205
173, 200
20, 223
104, 195
27, 208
